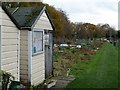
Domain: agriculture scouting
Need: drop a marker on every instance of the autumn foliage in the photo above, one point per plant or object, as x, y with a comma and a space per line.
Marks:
67, 30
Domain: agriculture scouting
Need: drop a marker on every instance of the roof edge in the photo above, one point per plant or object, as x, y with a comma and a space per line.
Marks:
10, 16
53, 26
44, 8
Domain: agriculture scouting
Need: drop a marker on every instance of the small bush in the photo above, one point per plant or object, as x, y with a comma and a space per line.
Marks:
6, 79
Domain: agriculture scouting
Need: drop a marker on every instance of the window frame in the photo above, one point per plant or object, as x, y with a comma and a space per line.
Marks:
37, 52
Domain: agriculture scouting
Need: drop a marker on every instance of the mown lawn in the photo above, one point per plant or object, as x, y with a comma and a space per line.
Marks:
100, 72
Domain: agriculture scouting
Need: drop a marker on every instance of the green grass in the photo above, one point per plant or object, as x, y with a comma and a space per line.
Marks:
100, 72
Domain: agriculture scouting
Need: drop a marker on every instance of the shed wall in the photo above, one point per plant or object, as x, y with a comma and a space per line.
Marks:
38, 61
38, 69
43, 22
24, 55
9, 45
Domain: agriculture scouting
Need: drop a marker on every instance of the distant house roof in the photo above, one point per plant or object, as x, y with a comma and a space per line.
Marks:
25, 17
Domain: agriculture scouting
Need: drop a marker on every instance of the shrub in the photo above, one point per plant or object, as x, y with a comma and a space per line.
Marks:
6, 79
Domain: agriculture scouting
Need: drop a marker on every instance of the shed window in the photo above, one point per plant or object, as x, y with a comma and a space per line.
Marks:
37, 42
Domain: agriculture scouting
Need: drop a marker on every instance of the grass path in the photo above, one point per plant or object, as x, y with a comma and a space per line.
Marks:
100, 72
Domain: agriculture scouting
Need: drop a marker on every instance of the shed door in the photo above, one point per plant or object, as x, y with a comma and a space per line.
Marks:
48, 55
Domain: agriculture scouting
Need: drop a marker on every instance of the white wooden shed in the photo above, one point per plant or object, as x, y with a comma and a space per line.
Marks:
26, 43
9, 45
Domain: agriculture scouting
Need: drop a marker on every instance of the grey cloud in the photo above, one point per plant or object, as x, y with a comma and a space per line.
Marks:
95, 10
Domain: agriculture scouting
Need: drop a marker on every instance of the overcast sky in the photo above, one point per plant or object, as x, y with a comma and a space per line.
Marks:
90, 11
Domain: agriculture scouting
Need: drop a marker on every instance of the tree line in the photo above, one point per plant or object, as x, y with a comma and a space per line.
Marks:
67, 31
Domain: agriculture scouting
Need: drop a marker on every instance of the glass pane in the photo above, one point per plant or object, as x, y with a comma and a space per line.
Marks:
37, 41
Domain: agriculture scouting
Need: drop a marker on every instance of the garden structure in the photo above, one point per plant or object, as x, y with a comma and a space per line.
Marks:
26, 43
